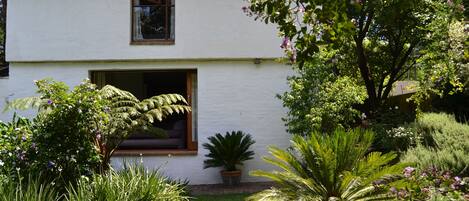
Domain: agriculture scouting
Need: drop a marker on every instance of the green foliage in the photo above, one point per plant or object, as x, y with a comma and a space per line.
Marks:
65, 148
375, 42
101, 118
30, 189
134, 183
430, 184
128, 114
394, 130
314, 103
445, 144
229, 150
329, 167
15, 141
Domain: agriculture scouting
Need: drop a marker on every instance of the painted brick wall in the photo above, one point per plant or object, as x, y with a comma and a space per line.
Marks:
232, 95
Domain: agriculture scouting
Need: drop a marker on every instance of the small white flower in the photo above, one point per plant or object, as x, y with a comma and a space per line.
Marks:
1, 163
18, 169
397, 107
10, 154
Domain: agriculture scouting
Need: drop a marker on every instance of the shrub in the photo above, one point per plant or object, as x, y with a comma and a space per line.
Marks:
393, 129
229, 150
445, 144
134, 183
318, 100
15, 142
63, 131
335, 167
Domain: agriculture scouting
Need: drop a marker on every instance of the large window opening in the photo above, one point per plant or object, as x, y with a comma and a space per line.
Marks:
174, 133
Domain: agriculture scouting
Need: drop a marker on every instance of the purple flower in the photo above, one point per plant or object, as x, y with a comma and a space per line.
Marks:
408, 171
447, 175
393, 189
23, 138
426, 190
50, 165
377, 183
49, 102
245, 9
402, 193
437, 182
33, 145
286, 44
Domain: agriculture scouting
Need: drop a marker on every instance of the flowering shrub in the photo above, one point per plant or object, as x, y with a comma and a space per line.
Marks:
15, 141
64, 132
431, 184
445, 144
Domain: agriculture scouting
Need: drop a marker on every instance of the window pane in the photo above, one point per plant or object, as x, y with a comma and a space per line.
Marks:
172, 23
149, 22
153, 19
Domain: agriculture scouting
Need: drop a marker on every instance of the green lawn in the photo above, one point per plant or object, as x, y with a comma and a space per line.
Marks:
229, 197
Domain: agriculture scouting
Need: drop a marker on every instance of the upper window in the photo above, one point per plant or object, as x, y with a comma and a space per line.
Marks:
153, 21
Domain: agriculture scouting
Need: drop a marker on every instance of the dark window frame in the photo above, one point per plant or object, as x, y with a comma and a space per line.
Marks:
191, 137
168, 40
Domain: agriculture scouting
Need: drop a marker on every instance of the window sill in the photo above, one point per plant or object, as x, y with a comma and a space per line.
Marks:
152, 42
152, 152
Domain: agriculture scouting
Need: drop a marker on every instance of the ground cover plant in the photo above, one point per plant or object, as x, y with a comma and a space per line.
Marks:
430, 184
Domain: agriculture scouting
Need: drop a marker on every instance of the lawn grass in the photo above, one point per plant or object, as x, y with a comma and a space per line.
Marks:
228, 197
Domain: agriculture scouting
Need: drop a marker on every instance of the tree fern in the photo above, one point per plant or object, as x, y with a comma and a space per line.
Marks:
329, 168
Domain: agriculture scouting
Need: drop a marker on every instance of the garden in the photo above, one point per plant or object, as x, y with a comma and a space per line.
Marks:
353, 137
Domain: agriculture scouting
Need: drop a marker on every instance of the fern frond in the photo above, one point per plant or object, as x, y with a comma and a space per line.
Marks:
24, 103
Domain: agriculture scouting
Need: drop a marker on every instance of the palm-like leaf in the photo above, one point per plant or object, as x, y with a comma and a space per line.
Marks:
329, 168
229, 150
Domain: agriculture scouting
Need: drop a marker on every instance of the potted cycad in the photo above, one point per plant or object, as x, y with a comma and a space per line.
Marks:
229, 151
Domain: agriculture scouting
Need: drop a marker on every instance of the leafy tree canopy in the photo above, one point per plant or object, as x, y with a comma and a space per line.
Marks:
377, 42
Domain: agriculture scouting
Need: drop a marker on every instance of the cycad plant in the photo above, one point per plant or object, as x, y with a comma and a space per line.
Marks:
118, 112
329, 167
229, 151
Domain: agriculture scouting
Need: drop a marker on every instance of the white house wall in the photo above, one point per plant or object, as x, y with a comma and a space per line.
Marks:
72, 30
232, 95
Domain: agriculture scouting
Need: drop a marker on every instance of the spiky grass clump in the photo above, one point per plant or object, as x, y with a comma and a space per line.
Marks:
135, 183
29, 189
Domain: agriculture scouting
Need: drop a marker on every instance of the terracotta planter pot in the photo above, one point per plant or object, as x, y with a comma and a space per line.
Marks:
231, 178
